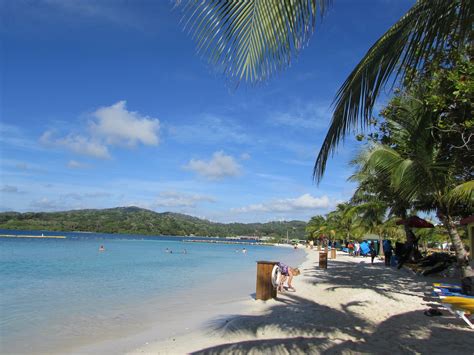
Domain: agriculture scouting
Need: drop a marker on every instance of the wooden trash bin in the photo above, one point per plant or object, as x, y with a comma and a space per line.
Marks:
333, 253
265, 289
323, 260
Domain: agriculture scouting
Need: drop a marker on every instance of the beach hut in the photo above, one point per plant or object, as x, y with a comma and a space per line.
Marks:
469, 223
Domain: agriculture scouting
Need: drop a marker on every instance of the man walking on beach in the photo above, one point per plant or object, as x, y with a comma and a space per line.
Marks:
387, 250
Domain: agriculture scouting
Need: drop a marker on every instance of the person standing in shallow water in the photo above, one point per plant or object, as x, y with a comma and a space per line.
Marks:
373, 252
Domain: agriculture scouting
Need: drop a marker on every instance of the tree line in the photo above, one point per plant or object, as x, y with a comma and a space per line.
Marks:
134, 220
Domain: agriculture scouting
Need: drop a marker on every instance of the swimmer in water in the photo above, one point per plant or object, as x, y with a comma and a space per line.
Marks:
101, 248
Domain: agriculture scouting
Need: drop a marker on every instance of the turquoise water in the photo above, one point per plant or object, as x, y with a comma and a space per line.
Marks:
61, 293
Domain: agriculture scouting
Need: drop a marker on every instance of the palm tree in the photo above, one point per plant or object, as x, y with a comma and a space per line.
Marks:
372, 218
421, 172
316, 226
343, 220
251, 40
375, 187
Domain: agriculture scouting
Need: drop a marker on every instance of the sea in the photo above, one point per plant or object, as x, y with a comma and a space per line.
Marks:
64, 295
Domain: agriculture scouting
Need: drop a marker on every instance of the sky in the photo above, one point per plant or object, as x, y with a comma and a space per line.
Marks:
105, 103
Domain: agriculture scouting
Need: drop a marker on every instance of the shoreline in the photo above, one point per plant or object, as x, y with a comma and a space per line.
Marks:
187, 312
350, 307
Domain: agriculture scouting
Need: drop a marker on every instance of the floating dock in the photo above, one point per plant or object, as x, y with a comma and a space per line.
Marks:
223, 242
32, 236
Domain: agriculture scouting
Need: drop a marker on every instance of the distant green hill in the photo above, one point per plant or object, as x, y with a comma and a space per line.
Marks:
136, 220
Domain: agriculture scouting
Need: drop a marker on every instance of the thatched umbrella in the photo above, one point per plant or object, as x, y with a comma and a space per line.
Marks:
415, 222
412, 247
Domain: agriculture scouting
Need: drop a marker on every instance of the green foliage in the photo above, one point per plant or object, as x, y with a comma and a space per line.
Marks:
423, 149
251, 40
136, 220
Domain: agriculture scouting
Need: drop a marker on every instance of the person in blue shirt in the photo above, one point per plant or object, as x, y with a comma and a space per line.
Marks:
387, 250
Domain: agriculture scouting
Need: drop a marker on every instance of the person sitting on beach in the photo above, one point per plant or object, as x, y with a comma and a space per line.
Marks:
287, 274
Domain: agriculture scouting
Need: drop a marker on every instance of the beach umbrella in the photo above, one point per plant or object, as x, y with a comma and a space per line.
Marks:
415, 222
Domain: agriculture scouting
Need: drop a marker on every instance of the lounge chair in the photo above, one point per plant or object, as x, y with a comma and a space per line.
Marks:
457, 303
452, 287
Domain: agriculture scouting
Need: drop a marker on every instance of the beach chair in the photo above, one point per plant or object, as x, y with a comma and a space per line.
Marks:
454, 301
450, 287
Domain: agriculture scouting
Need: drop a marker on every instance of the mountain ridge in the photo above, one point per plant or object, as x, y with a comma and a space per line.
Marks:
136, 220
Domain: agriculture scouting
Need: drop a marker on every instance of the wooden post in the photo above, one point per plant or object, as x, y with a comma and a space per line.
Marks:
323, 260
333, 253
265, 289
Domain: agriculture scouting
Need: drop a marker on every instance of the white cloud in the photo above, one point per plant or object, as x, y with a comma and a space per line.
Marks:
45, 204
71, 196
73, 164
301, 203
245, 156
83, 196
220, 166
209, 129
78, 144
17, 137
310, 116
97, 194
116, 125
9, 189
110, 125
22, 166
177, 199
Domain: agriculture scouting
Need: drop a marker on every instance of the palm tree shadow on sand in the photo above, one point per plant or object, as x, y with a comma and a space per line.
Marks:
297, 325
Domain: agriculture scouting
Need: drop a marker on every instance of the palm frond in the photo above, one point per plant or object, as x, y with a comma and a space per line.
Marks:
383, 159
463, 193
251, 40
420, 34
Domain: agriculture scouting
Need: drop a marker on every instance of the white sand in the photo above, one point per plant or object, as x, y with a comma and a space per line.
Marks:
352, 307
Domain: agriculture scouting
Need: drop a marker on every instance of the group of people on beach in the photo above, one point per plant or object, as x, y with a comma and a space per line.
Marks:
354, 249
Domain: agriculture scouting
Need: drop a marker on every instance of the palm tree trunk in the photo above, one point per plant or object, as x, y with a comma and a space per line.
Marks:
461, 254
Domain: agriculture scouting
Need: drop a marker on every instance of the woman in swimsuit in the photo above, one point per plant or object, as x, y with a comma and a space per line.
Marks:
287, 273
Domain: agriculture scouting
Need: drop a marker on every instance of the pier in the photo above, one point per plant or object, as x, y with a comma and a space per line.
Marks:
224, 242
32, 236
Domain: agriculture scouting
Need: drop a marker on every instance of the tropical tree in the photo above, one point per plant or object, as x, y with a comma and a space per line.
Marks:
421, 170
251, 40
315, 226
344, 221
374, 187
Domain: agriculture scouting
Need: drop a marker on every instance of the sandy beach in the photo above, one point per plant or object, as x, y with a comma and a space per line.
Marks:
351, 307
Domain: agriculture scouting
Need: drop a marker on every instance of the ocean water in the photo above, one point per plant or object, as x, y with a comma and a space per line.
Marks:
60, 294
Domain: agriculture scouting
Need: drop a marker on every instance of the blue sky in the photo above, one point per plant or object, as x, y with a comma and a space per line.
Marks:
106, 104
